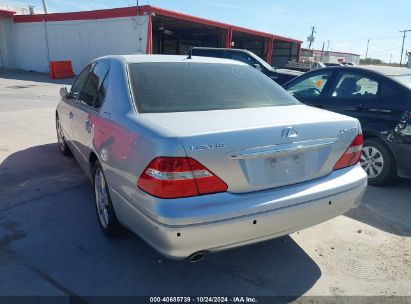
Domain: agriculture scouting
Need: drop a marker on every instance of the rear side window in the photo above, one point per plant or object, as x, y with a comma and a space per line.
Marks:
355, 86
94, 82
243, 58
80, 81
186, 86
101, 95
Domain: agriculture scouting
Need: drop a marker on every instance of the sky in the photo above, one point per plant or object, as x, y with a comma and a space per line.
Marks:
346, 24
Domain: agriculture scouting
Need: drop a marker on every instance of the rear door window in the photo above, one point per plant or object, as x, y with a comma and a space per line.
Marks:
80, 81
193, 86
102, 93
243, 58
90, 91
353, 85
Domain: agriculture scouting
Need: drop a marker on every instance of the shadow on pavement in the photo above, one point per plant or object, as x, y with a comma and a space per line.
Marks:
58, 235
33, 76
35, 172
387, 208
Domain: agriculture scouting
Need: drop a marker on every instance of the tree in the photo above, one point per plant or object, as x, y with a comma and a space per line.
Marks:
370, 61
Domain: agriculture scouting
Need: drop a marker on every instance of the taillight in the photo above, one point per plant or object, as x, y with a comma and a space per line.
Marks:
174, 177
352, 155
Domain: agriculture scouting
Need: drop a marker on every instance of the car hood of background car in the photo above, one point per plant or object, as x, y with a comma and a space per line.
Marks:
289, 72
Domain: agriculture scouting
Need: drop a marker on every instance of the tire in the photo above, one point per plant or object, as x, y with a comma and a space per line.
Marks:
106, 216
378, 162
61, 141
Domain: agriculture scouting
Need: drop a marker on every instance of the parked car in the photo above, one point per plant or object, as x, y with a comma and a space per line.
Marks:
348, 63
204, 154
280, 76
333, 64
380, 97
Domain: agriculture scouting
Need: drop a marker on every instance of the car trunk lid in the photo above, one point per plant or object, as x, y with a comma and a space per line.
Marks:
260, 148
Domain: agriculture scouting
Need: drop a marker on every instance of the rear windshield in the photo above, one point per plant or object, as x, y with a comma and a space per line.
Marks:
188, 86
404, 79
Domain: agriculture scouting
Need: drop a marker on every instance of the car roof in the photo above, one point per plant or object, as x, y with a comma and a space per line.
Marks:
143, 58
221, 49
387, 70
382, 70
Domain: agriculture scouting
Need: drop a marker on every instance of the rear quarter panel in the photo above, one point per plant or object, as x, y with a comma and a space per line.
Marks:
125, 145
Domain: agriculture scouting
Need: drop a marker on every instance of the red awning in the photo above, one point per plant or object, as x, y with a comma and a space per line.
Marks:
6, 13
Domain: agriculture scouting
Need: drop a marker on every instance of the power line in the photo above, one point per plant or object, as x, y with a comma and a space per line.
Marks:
365, 39
385, 50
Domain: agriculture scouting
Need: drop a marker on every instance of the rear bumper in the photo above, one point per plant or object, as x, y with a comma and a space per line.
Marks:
287, 210
401, 152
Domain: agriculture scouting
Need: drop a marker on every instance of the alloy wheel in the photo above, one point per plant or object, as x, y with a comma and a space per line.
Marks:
372, 161
102, 200
60, 135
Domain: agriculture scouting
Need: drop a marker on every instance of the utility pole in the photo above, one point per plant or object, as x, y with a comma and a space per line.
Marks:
45, 6
366, 52
403, 41
328, 45
322, 52
310, 38
390, 57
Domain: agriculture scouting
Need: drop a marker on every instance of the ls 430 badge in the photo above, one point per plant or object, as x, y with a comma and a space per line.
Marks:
342, 131
207, 147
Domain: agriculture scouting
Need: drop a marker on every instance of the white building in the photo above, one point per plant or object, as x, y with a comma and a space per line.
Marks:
30, 42
331, 57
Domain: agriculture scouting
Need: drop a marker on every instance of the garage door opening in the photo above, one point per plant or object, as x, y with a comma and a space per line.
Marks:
284, 51
253, 43
176, 37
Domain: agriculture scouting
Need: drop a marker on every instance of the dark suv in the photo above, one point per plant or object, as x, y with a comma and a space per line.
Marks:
380, 97
280, 76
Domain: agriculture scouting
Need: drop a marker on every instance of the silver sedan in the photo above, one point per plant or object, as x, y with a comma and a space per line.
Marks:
197, 155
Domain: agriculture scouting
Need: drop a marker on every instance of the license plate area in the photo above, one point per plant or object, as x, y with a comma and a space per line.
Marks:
280, 170
286, 167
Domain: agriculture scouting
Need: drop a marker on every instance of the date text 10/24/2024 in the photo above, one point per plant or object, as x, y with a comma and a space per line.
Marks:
203, 299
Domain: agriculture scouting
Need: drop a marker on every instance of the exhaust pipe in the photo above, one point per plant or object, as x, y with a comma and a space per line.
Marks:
197, 257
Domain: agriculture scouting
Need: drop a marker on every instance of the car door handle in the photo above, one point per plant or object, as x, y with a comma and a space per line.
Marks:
71, 115
106, 114
99, 130
379, 110
89, 125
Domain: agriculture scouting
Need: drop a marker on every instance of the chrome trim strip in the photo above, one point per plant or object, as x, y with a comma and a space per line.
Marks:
282, 149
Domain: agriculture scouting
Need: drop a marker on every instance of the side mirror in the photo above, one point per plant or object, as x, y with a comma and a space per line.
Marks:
257, 66
64, 93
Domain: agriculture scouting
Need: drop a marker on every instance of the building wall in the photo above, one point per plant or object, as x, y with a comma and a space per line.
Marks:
79, 41
330, 57
30, 46
7, 57
283, 52
333, 58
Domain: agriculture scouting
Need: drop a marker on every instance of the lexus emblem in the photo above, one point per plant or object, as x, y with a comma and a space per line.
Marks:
289, 133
